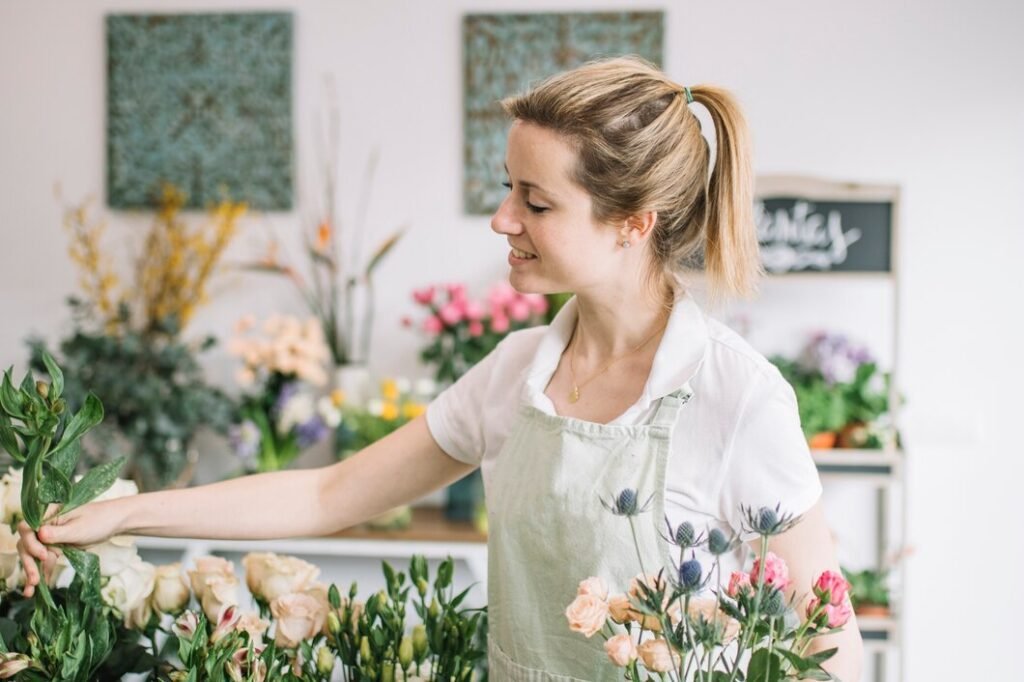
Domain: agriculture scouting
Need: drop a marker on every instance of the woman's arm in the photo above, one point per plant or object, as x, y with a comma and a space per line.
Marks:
808, 550
395, 470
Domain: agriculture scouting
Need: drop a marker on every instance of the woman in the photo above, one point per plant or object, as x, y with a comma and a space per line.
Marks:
610, 196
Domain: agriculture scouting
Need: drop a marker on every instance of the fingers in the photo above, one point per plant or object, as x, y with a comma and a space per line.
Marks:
29, 541
31, 572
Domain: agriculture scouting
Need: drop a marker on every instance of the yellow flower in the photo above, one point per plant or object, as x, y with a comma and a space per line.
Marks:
389, 389
389, 411
413, 410
338, 397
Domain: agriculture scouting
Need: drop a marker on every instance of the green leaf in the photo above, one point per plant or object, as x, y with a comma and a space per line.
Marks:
31, 508
11, 400
89, 416
56, 376
93, 484
65, 459
9, 439
54, 486
444, 574
764, 666
822, 656
87, 569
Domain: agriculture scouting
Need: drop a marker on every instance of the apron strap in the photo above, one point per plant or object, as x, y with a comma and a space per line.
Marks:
669, 406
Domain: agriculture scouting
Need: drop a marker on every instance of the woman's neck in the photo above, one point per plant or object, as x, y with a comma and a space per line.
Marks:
613, 325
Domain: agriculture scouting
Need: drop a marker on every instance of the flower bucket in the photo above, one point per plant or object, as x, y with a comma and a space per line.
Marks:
826, 440
354, 381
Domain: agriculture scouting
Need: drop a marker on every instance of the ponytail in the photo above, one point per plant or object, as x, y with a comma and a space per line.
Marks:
731, 256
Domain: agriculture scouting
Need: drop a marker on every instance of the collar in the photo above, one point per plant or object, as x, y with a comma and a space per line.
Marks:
678, 358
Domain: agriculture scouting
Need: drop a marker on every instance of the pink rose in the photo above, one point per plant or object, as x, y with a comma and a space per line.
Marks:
587, 614
473, 310
833, 615
476, 328
499, 324
519, 310
457, 292
433, 325
298, 616
450, 313
501, 294
657, 657
776, 572
621, 650
619, 609
831, 587
738, 582
424, 296
593, 586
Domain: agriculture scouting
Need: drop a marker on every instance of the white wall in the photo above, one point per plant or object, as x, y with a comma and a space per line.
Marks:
924, 94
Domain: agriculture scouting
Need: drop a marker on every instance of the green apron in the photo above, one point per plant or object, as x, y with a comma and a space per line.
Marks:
548, 530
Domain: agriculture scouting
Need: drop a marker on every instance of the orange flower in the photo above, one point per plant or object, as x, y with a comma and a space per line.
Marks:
323, 236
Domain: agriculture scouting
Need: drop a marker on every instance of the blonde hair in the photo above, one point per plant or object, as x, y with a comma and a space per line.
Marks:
640, 149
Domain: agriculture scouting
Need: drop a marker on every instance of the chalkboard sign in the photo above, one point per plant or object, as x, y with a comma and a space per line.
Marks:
806, 225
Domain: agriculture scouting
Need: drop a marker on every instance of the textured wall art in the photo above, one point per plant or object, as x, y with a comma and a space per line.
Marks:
505, 53
203, 101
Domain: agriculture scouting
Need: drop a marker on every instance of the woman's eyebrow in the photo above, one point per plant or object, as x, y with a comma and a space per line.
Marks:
530, 185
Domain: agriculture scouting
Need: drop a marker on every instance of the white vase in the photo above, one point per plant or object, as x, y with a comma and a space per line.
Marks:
354, 382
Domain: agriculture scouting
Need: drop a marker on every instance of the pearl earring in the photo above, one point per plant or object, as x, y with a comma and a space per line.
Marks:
626, 243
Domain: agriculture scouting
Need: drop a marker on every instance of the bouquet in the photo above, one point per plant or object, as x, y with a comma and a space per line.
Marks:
674, 625
282, 417
463, 330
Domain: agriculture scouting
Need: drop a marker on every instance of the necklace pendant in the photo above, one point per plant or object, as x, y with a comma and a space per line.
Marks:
574, 395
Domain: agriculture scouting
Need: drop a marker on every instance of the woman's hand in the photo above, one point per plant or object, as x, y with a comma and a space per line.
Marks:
84, 526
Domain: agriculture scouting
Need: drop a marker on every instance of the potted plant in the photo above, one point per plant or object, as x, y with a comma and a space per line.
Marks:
869, 591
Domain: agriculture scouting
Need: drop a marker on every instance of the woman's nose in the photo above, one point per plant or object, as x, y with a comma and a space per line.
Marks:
504, 220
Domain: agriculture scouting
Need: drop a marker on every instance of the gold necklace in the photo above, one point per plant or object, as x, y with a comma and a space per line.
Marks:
574, 394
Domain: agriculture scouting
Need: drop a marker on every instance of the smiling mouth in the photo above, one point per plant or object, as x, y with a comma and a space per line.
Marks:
522, 254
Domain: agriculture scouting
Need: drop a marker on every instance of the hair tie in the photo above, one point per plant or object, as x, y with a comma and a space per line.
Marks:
689, 95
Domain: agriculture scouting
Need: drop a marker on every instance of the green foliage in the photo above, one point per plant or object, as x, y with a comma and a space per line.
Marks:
155, 389
868, 587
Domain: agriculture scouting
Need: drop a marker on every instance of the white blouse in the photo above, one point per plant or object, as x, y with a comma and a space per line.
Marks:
737, 442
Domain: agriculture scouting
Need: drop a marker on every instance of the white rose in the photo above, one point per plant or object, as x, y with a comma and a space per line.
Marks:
298, 410
170, 593
9, 561
328, 412
11, 482
207, 567
375, 407
129, 590
426, 388
115, 554
403, 385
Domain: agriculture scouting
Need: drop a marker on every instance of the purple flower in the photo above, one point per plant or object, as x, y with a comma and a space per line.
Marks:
245, 440
287, 392
310, 432
834, 356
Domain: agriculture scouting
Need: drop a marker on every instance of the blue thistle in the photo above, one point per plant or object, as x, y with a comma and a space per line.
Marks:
627, 503
718, 543
685, 535
690, 574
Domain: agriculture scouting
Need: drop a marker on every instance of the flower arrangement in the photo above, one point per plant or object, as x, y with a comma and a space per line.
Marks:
842, 396
339, 288
399, 402
282, 417
126, 343
673, 625
463, 330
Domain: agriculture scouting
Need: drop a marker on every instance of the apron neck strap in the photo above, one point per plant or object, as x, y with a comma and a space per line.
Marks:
669, 406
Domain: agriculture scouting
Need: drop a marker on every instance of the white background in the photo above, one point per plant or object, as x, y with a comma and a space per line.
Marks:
927, 95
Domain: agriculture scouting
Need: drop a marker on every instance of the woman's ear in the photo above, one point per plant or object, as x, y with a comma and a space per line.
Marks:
638, 228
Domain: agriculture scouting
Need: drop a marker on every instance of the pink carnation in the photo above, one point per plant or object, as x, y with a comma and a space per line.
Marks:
450, 313
423, 296
433, 325
831, 587
738, 582
776, 573
519, 310
476, 328
499, 324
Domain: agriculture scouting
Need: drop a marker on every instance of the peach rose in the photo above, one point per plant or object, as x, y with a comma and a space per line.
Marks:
254, 626
707, 608
207, 567
280, 575
298, 616
620, 610
219, 592
115, 554
170, 593
255, 565
587, 614
738, 582
593, 586
657, 657
621, 650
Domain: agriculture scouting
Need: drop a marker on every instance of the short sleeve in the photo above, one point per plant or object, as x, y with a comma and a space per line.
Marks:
768, 460
455, 417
